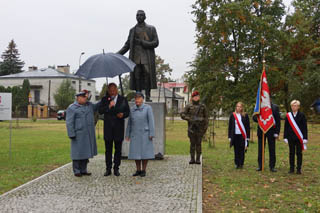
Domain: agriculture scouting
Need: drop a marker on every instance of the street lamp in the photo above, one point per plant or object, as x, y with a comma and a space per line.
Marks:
79, 68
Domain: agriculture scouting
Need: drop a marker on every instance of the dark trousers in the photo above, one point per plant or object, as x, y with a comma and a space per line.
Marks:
295, 147
239, 149
117, 153
195, 144
272, 150
80, 166
142, 75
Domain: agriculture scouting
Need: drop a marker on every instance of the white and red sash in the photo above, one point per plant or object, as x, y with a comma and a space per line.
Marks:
296, 129
241, 127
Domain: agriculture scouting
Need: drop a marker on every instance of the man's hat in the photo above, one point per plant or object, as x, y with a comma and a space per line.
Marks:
139, 94
82, 93
195, 93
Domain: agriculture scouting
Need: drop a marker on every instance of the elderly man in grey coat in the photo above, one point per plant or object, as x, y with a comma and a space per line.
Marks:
81, 130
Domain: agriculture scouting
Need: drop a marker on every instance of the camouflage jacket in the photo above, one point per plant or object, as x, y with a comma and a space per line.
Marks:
197, 117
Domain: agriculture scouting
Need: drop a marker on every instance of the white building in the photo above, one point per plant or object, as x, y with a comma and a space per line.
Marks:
45, 82
174, 102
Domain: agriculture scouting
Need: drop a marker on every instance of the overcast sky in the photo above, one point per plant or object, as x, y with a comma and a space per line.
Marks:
56, 32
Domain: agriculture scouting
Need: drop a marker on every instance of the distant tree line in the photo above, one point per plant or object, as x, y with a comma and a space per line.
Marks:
233, 38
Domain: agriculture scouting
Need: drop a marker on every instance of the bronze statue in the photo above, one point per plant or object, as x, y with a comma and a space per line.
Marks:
142, 41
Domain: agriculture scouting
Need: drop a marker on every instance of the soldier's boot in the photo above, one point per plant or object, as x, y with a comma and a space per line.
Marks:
192, 160
198, 158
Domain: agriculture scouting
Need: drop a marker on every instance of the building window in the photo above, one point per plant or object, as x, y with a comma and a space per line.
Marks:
177, 89
37, 96
73, 82
89, 84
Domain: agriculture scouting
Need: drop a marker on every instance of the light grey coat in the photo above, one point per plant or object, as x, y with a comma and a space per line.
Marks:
80, 124
140, 127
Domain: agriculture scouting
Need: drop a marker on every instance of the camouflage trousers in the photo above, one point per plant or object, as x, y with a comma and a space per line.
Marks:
195, 144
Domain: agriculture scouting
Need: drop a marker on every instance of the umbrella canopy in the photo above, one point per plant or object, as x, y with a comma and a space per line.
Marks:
105, 65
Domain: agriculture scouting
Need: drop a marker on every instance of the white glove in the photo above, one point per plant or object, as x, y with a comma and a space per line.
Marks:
285, 140
275, 135
247, 141
229, 139
305, 141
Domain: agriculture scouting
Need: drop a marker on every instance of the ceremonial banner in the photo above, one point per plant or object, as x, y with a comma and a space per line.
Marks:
263, 105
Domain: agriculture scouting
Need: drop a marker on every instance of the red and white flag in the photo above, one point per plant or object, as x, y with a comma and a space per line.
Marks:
263, 105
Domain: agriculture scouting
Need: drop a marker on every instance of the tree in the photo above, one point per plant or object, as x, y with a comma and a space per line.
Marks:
64, 95
11, 63
25, 95
232, 38
163, 71
298, 63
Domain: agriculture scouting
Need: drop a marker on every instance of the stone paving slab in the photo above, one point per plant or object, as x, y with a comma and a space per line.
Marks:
171, 185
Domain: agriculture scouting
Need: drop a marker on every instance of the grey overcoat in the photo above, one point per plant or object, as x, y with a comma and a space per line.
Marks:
80, 124
140, 127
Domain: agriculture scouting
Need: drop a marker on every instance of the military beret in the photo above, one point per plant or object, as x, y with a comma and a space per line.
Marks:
195, 93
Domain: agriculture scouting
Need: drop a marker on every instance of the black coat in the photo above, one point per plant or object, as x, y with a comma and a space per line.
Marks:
231, 129
114, 126
302, 124
275, 129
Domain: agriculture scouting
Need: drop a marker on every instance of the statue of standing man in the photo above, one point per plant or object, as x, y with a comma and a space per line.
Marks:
142, 41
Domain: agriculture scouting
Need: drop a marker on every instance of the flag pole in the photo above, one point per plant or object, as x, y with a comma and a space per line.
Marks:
262, 164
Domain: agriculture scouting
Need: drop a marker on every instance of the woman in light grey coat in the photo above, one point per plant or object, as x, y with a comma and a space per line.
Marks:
140, 131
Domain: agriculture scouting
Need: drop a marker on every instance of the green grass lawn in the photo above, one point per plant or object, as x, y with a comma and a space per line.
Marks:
228, 189
39, 147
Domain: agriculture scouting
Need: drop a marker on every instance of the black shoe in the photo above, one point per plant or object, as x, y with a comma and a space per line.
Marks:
78, 174
291, 171
86, 173
137, 173
108, 172
241, 167
192, 162
116, 172
142, 173
273, 170
198, 162
258, 169
299, 172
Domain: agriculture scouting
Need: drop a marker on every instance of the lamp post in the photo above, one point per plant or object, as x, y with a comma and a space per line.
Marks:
79, 68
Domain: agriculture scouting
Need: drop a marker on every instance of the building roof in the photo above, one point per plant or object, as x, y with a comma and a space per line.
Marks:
42, 73
168, 93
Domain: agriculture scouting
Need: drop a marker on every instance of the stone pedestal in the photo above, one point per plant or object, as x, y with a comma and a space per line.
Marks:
159, 113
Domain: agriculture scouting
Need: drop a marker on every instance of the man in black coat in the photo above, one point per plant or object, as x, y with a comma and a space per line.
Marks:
271, 135
115, 109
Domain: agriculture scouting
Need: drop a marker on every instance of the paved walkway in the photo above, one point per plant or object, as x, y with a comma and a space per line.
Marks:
171, 185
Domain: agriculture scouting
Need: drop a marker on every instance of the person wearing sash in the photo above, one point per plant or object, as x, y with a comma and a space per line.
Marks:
296, 134
239, 134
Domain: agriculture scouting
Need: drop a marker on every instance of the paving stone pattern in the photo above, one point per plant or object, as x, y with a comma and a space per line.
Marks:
171, 185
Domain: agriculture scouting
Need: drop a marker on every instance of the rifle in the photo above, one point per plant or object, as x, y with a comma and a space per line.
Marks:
194, 121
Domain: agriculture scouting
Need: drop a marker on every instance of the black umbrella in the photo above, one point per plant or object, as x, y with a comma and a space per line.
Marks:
106, 65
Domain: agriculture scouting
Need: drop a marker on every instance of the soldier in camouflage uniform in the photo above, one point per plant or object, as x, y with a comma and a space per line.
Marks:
196, 115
